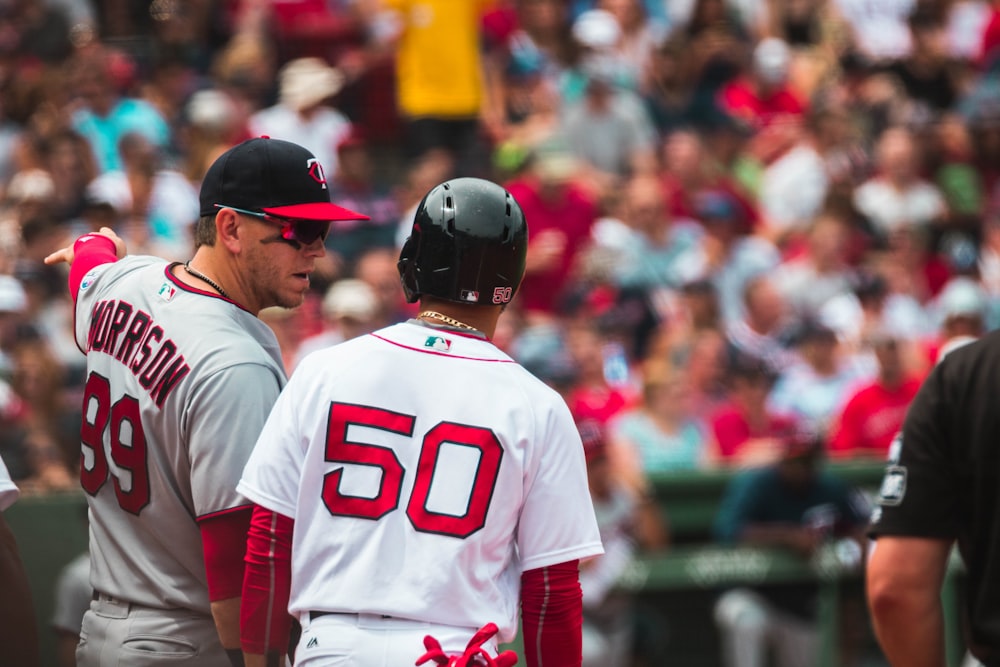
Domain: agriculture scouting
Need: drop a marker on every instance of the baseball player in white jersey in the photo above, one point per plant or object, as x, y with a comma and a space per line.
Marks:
180, 377
18, 630
420, 481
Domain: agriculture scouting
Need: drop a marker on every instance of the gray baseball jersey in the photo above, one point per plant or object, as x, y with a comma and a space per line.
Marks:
72, 599
179, 383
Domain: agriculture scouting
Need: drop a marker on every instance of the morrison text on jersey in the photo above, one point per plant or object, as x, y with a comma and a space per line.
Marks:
129, 335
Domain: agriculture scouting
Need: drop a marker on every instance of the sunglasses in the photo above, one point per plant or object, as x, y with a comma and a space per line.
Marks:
296, 233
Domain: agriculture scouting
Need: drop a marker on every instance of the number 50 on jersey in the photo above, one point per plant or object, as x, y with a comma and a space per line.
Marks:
481, 442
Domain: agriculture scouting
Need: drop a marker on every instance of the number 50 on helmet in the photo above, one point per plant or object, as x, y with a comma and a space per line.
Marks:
467, 244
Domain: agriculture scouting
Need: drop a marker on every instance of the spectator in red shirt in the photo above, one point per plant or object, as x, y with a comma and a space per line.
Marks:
874, 413
562, 212
690, 172
746, 432
763, 96
593, 396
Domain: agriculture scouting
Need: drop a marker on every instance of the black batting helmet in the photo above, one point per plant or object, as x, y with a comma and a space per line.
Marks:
467, 244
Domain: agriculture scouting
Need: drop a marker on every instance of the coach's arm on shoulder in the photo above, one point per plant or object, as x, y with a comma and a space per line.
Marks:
18, 632
904, 578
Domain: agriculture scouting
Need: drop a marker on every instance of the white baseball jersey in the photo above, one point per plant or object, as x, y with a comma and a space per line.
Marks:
179, 382
425, 470
8, 491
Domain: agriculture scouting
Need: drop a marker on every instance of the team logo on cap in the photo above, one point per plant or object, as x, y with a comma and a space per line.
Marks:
316, 171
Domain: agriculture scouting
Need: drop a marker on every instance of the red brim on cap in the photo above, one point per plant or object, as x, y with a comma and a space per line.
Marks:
318, 211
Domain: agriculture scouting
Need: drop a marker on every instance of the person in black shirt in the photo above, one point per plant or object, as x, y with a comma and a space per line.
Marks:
927, 75
940, 487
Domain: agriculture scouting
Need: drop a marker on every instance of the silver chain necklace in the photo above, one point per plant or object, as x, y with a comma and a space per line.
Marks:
201, 276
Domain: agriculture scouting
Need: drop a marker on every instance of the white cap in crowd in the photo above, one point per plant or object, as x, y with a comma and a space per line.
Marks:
351, 298
597, 29
961, 297
772, 59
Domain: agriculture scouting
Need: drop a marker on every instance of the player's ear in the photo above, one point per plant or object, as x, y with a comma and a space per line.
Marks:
227, 229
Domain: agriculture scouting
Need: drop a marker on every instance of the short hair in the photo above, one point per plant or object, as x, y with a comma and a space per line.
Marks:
204, 231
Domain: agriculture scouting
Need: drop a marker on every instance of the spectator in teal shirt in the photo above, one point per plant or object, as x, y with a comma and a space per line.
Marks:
105, 115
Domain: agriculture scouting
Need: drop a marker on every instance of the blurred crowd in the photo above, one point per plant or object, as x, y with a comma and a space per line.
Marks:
744, 214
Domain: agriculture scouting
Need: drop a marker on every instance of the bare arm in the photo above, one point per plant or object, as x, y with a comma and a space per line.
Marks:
904, 578
652, 531
66, 648
272, 659
18, 631
227, 621
626, 466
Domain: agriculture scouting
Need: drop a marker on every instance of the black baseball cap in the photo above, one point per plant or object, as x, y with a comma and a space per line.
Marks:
272, 176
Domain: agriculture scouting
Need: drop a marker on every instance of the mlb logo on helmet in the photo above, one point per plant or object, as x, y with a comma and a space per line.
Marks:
469, 295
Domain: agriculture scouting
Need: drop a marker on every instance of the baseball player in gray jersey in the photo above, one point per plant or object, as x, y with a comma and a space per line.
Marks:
180, 377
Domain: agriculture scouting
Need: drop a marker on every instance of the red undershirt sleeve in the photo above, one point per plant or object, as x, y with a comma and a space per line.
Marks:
223, 539
264, 621
90, 250
552, 615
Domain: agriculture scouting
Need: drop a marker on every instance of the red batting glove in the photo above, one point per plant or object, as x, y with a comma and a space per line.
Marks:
474, 655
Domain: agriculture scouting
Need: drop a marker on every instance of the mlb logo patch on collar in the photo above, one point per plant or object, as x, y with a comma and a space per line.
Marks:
167, 291
438, 343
